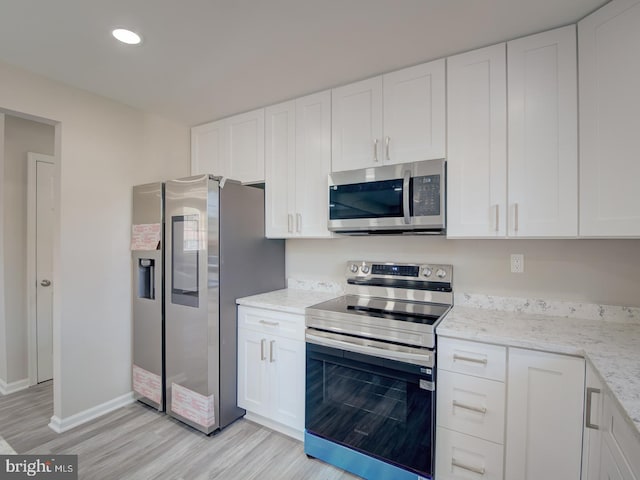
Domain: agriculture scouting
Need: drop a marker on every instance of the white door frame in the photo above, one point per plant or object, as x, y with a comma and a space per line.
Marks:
32, 158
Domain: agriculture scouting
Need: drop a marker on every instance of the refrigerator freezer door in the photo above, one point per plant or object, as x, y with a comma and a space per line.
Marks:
147, 294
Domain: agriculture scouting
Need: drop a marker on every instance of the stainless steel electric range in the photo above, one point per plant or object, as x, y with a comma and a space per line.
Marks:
370, 370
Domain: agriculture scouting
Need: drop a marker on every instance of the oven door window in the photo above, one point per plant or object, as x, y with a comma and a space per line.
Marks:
379, 407
366, 200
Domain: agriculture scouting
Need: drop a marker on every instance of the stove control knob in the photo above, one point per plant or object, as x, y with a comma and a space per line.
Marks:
441, 273
427, 272
365, 269
353, 268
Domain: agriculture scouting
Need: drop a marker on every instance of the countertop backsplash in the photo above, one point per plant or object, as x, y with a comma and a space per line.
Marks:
556, 308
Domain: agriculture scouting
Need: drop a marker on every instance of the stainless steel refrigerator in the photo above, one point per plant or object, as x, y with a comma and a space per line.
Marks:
147, 246
216, 251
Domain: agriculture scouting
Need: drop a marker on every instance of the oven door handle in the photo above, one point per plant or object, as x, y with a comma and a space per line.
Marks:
422, 359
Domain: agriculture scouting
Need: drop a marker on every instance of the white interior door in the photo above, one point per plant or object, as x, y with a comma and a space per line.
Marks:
44, 210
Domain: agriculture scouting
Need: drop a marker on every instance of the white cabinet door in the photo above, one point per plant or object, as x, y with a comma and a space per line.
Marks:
592, 436
544, 416
356, 125
280, 182
312, 164
610, 120
609, 468
543, 134
246, 146
287, 381
253, 393
208, 149
477, 143
414, 113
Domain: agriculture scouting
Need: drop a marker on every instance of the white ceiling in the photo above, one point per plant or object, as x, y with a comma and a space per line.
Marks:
205, 59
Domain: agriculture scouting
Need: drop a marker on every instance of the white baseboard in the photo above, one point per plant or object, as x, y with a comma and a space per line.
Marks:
278, 427
60, 425
7, 388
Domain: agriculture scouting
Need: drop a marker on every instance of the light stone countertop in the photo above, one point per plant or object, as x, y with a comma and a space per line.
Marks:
289, 300
612, 347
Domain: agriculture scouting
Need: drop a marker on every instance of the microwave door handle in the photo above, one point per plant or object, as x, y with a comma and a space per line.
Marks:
405, 196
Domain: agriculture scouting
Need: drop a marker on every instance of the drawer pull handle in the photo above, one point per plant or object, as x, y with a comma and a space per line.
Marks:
587, 420
483, 361
271, 324
481, 410
455, 463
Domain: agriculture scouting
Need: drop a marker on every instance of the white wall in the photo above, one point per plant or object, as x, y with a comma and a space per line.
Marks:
593, 271
104, 148
21, 136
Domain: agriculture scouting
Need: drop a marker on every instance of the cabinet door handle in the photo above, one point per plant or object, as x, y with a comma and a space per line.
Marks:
271, 324
387, 140
290, 223
298, 222
455, 463
497, 217
587, 420
515, 223
481, 410
272, 345
263, 344
462, 358
375, 150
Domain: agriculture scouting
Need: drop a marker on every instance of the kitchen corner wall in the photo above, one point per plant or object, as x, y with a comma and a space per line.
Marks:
591, 271
104, 148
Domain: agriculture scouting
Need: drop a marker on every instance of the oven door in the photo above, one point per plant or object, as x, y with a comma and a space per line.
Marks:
380, 407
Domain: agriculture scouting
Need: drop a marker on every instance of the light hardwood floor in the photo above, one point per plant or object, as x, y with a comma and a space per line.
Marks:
137, 443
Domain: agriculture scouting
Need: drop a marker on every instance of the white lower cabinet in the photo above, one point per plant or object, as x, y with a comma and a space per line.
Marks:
525, 426
610, 450
544, 415
271, 368
460, 456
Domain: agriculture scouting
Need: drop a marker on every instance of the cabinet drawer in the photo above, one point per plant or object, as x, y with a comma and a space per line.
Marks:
460, 456
473, 358
620, 435
471, 405
288, 325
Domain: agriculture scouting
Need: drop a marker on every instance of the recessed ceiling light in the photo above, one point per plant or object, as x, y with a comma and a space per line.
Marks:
127, 36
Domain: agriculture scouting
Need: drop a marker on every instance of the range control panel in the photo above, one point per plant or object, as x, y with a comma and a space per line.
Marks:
363, 271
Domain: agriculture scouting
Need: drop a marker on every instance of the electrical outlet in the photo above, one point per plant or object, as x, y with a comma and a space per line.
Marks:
517, 263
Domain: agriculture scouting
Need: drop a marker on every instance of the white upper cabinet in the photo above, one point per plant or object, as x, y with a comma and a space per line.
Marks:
298, 162
414, 113
356, 125
398, 117
246, 147
280, 131
610, 121
232, 147
543, 134
313, 164
477, 143
208, 146
536, 142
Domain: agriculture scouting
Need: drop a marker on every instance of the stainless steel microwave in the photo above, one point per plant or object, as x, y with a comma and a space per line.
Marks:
394, 199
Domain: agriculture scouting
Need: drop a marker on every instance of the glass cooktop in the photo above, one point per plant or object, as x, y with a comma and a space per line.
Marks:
407, 311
